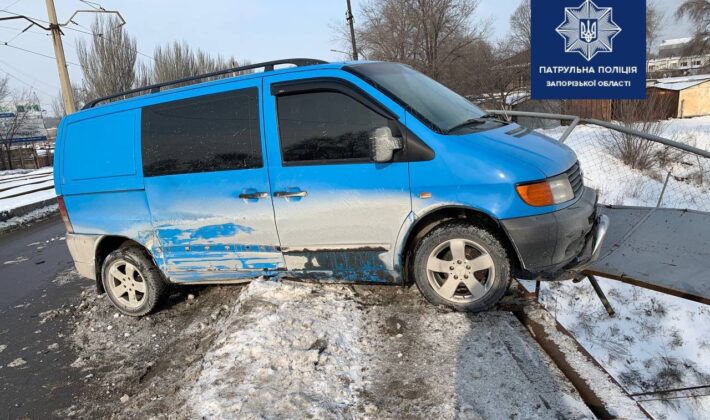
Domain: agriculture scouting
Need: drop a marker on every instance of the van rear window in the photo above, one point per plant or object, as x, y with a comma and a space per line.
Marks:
209, 133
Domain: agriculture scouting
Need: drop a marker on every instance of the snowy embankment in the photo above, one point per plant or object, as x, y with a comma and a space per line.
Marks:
316, 350
656, 341
284, 349
25, 196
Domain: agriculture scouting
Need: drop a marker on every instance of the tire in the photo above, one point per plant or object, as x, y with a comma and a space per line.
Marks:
132, 282
471, 281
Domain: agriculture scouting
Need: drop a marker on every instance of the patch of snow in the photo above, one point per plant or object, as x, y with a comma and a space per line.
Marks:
334, 352
26, 199
655, 341
618, 403
286, 349
25, 187
34, 181
17, 362
37, 214
618, 184
3, 347
10, 173
21, 181
17, 260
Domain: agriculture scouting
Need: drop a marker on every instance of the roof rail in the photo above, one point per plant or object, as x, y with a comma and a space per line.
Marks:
267, 66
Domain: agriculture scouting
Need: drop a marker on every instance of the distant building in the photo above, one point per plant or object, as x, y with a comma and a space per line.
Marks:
673, 47
673, 60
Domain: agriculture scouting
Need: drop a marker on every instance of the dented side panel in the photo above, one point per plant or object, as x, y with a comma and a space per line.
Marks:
206, 230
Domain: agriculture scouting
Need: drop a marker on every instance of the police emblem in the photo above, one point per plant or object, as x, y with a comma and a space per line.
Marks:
588, 29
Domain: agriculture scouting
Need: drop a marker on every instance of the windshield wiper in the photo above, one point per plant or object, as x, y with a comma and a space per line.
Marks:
471, 121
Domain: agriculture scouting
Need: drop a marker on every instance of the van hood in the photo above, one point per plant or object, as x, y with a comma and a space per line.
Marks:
544, 153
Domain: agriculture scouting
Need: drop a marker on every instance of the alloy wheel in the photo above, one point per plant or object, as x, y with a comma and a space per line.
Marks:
460, 270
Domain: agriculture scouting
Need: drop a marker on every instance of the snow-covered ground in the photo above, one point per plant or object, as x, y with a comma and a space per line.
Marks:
689, 182
290, 349
19, 188
656, 341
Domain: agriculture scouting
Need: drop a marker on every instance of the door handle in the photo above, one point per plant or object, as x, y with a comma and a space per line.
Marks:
253, 196
290, 194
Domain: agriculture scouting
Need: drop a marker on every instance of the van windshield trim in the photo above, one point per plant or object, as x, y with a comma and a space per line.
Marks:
368, 73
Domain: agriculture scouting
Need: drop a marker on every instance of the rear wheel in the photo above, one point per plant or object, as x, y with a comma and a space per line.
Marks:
132, 282
461, 266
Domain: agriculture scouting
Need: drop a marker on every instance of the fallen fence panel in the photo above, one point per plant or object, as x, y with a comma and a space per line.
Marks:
661, 249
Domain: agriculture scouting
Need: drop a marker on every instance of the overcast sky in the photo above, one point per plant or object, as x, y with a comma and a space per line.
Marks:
257, 30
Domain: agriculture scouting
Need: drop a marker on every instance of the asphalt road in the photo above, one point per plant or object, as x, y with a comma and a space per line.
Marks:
35, 355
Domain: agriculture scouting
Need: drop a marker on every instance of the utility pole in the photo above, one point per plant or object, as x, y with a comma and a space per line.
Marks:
352, 30
67, 92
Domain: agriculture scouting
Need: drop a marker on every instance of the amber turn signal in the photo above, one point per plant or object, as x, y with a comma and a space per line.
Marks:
538, 194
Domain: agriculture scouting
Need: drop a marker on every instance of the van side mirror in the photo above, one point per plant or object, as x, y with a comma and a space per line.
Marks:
383, 144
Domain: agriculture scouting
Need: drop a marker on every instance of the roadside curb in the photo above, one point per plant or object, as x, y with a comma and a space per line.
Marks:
24, 210
600, 391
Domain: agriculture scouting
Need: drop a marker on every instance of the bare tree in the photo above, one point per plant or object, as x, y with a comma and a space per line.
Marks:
108, 61
698, 12
503, 73
655, 19
12, 122
520, 23
58, 104
4, 88
427, 34
642, 115
177, 60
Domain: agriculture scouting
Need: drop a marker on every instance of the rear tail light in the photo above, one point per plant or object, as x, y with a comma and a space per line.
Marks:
64, 214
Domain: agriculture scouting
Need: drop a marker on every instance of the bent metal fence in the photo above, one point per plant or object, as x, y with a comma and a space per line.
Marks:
641, 163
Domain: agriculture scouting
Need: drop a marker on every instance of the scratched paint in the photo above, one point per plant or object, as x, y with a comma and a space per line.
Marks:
365, 264
208, 234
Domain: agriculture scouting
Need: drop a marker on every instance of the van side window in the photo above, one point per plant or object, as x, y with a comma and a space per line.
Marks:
325, 127
215, 132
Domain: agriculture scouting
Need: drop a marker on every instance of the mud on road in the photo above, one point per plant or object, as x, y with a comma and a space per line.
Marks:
278, 348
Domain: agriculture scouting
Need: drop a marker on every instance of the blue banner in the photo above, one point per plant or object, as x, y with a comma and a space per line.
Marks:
588, 49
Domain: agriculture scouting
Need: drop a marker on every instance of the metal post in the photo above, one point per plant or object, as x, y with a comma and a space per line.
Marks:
67, 93
569, 130
352, 31
537, 291
601, 295
663, 190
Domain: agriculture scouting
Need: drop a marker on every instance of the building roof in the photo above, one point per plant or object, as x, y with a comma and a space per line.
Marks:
678, 83
675, 42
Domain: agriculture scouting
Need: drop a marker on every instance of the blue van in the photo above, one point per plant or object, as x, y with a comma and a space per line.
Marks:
365, 172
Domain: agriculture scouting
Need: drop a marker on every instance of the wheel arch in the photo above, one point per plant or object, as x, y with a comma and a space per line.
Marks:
442, 215
106, 245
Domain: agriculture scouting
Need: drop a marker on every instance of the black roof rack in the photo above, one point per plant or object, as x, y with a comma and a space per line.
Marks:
267, 66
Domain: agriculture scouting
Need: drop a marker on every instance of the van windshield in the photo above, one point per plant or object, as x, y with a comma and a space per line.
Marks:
436, 105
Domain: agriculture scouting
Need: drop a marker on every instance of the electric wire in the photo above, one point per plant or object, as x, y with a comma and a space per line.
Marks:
31, 86
21, 72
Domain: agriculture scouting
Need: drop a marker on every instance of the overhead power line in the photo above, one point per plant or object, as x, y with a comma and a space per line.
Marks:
19, 71
31, 86
55, 28
5, 44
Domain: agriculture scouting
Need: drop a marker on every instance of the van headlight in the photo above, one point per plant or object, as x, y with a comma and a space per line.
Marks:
554, 190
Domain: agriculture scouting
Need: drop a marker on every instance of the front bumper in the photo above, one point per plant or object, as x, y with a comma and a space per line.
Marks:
558, 245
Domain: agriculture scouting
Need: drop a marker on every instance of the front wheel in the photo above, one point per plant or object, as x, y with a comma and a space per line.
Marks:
461, 266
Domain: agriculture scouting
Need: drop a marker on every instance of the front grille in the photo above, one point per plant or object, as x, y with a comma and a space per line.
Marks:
575, 178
